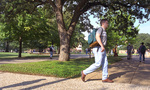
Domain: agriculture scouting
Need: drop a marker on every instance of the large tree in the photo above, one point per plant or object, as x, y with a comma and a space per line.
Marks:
25, 28
142, 37
78, 9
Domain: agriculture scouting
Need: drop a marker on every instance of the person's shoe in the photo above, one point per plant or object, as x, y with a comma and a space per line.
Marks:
50, 57
83, 76
143, 61
140, 61
107, 80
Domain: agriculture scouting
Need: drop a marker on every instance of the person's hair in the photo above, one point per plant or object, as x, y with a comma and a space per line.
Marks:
142, 43
103, 21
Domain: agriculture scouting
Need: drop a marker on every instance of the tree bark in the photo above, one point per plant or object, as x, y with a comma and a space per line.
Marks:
20, 46
64, 48
64, 37
7, 47
64, 34
58, 49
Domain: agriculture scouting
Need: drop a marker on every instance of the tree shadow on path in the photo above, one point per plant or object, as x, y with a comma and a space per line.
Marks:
31, 82
22, 84
44, 84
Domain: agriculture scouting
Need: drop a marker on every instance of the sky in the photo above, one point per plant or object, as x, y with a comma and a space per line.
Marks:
144, 28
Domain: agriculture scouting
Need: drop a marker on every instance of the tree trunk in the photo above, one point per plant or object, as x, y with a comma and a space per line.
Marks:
7, 47
20, 46
64, 48
64, 34
58, 49
64, 40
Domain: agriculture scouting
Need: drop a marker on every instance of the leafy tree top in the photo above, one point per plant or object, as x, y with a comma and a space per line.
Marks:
139, 8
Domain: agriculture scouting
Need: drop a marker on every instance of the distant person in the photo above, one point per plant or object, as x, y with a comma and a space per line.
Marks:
146, 53
86, 50
138, 52
133, 51
111, 52
115, 51
148, 50
89, 52
51, 51
142, 50
129, 49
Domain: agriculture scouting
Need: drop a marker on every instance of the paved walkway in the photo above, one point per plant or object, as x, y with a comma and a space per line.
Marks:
126, 71
127, 74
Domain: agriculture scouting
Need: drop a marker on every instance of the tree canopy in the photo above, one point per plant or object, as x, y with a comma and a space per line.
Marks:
140, 9
143, 37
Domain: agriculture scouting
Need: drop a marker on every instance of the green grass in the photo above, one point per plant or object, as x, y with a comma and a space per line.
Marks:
125, 54
69, 69
8, 55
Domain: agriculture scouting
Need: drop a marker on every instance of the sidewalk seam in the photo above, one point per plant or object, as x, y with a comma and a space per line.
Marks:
134, 73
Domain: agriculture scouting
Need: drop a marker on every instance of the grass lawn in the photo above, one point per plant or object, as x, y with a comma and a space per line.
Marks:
69, 69
8, 55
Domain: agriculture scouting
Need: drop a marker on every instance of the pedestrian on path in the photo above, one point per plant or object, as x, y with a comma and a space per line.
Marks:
51, 51
142, 50
99, 53
86, 50
129, 53
115, 51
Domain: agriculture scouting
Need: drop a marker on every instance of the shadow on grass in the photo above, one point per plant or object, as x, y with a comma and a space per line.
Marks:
7, 55
26, 57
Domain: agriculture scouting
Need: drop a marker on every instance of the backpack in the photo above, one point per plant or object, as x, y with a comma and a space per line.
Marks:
143, 49
51, 49
91, 38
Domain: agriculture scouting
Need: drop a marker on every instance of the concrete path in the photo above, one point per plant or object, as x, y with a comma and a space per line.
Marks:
126, 71
25, 60
12, 81
127, 74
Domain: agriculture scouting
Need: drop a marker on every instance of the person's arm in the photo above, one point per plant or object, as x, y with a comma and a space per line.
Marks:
139, 48
52, 49
98, 38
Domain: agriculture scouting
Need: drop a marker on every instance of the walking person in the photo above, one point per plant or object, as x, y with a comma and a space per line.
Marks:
129, 49
89, 52
51, 51
86, 50
99, 53
142, 50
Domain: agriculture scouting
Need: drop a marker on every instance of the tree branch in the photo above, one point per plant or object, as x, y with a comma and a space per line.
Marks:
40, 3
128, 5
63, 1
89, 5
53, 4
76, 17
43, 2
135, 3
80, 5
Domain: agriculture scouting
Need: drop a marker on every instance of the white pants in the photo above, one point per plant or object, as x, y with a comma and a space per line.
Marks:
100, 59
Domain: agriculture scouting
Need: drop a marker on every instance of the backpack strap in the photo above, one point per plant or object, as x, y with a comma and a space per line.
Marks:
101, 34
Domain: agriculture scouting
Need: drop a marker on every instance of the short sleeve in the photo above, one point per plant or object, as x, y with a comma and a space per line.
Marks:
99, 31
